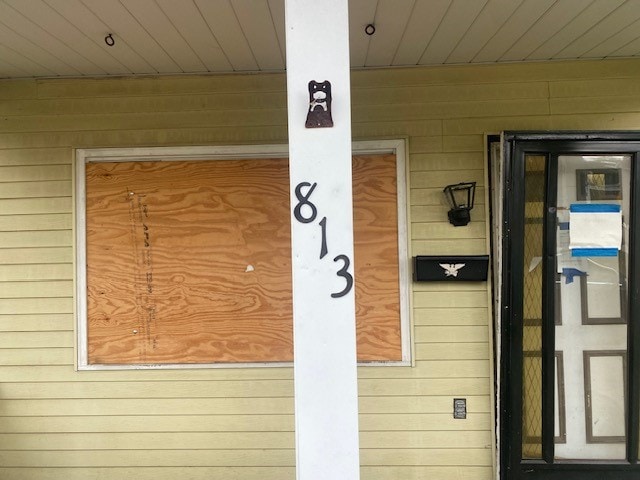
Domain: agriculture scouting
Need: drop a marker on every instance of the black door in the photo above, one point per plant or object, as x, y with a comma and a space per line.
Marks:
570, 339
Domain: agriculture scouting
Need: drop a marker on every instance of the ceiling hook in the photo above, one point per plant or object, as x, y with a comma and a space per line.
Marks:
370, 29
109, 40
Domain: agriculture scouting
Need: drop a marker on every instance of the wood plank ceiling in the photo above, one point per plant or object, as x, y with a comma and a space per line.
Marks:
46, 38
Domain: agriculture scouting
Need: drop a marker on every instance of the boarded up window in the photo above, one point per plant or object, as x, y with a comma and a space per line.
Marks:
188, 262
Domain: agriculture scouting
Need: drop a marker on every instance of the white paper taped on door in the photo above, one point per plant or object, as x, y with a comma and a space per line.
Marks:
595, 229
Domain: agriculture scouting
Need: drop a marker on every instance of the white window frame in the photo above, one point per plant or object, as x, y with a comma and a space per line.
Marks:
84, 156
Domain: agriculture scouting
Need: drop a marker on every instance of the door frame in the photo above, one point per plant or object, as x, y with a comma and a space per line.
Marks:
512, 466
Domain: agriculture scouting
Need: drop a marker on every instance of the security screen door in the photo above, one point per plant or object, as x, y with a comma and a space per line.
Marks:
570, 350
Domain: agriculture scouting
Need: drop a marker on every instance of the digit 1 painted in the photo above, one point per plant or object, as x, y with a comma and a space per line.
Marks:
323, 240
326, 394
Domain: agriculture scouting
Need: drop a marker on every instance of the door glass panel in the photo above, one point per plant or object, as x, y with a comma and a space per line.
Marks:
591, 331
534, 188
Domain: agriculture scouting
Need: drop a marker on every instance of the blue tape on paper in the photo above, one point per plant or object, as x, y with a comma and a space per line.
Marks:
594, 208
594, 252
563, 225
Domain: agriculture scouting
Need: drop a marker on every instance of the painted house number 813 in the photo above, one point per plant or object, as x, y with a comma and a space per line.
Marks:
312, 214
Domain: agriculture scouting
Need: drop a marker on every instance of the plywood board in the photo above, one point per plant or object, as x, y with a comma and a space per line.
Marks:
189, 261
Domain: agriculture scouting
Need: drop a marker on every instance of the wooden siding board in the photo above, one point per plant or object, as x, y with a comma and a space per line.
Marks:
451, 316
166, 423
444, 230
56, 238
36, 322
18, 273
447, 161
17, 206
169, 103
448, 110
231, 440
35, 173
149, 458
56, 188
152, 473
496, 73
233, 423
236, 458
13, 223
600, 104
477, 403
426, 144
34, 357
12, 89
463, 143
451, 334
442, 178
433, 195
452, 350
223, 135
38, 156
48, 289
59, 339
599, 121
485, 125
129, 121
10, 256
465, 375
445, 247
431, 213
446, 93
169, 85
612, 87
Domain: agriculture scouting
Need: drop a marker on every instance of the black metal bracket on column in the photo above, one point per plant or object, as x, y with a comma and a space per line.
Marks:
319, 114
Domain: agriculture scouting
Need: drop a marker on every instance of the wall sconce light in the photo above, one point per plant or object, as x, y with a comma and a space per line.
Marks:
460, 198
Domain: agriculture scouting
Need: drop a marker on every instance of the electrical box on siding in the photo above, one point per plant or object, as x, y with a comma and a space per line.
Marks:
444, 268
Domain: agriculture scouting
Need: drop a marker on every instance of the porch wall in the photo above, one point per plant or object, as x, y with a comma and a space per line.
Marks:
238, 423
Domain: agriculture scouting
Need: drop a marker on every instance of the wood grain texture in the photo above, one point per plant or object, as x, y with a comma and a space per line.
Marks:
189, 262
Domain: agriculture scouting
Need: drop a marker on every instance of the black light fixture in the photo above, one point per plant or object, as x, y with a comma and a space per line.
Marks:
460, 198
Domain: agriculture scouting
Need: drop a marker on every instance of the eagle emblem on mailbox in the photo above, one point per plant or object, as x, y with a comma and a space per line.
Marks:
451, 269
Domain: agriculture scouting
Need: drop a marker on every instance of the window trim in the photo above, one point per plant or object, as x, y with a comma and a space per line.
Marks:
207, 153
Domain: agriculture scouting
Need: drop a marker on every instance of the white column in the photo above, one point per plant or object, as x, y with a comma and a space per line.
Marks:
326, 396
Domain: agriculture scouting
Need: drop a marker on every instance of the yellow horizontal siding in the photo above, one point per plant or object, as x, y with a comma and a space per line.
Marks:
428, 162
231, 440
10, 256
143, 103
232, 423
58, 288
19, 206
238, 423
433, 196
57, 221
479, 403
37, 356
32, 173
38, 156
611, 87
468, 375
239, 459
223, 135
452, 351
18, 89
149, 473
36, 323
54, 271
451, 316
257, 473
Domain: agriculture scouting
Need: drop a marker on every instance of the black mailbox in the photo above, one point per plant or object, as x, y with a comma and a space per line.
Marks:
445, 268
